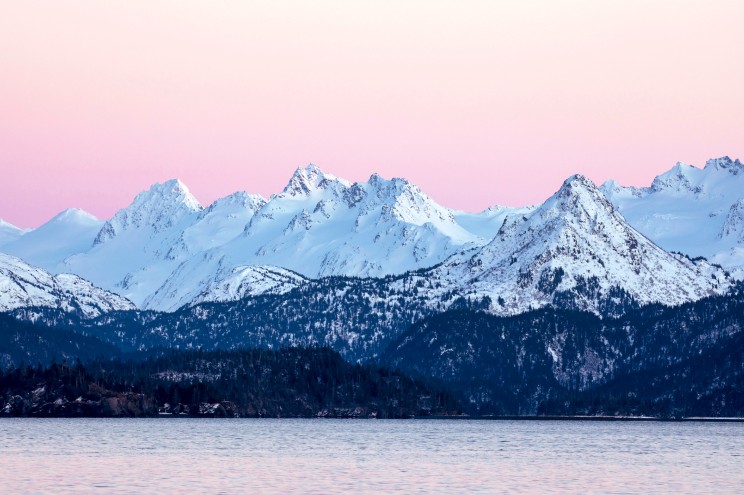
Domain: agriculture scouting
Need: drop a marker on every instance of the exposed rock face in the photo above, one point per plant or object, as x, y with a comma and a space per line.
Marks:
733, 226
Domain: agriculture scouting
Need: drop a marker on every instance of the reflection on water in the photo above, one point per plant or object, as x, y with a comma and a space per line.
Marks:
367, 456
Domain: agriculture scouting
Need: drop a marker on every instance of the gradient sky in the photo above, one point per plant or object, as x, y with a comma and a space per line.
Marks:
478, 102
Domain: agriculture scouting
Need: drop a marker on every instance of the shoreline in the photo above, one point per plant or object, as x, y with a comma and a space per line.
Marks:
593, 418
632, 419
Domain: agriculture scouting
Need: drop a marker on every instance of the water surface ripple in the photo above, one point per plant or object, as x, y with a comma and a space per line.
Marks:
368, 456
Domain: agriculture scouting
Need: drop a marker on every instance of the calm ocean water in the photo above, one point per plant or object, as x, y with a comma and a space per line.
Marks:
368, 456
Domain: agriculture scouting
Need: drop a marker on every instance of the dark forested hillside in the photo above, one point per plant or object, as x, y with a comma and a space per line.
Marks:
709, 384
497, 365
512, 365
25, 342
358, 317
299, 382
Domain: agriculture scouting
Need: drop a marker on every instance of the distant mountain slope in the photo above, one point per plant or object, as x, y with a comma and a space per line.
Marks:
70, 232
9, 233
22, 285
695, 211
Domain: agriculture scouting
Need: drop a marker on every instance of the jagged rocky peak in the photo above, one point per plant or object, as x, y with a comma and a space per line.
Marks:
159, 208
577, 200
680, 178
611, 187
725, 163
171, 195
172, 191
577, 242
579, 196
493, 210
687, 178
405, 201
307, 180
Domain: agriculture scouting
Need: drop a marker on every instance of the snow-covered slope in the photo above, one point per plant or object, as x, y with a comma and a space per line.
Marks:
321, 225
70, 232
487, 223
576, 244
9, 232
251, 280
135, 251
22, 285
690, 210
221, 222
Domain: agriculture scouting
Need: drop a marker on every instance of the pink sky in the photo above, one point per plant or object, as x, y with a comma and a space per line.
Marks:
478, 103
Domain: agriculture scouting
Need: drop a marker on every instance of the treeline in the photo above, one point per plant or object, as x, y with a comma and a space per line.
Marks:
292, 382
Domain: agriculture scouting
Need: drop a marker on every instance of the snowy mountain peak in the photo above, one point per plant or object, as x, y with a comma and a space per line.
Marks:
611, 187
241, 198
173, 190
9, 232
400, 199
578, 206
577, 246
307, 180
158, 208
580, 196
724, 163
47, 246
681, 178
577, 182
74, 215
8, 225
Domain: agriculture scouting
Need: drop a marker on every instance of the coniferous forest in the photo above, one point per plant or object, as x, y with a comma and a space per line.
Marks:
296, 382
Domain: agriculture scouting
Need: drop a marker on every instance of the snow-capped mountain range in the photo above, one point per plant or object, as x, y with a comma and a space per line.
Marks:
165, 250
